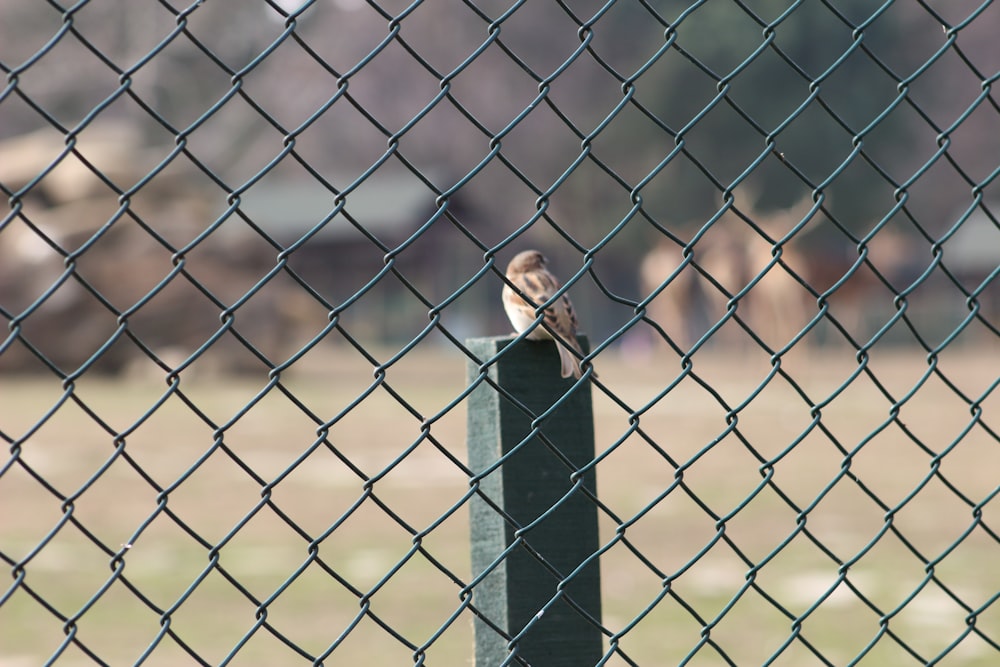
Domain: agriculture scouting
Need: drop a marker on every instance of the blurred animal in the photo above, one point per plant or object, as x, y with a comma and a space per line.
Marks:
734, 255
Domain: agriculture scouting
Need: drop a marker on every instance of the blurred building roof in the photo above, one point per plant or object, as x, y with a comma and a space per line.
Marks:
384, 205
976, 244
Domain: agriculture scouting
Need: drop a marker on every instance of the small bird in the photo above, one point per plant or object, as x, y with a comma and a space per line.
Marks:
528, 273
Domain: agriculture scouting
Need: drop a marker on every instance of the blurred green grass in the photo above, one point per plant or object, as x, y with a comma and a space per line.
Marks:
236, 450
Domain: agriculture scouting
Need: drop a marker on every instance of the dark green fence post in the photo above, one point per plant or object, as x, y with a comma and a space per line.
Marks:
528, 483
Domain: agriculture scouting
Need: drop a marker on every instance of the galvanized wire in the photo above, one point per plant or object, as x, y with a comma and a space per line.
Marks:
594, 245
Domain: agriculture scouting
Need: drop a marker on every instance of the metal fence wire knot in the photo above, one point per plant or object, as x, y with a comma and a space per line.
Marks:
262, 405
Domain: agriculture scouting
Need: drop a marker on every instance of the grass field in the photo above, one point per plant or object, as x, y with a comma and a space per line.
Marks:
216, 468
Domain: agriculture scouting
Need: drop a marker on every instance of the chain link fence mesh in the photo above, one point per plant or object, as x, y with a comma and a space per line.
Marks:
244, 243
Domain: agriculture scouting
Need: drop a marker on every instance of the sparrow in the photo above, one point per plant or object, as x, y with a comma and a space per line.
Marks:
528, 273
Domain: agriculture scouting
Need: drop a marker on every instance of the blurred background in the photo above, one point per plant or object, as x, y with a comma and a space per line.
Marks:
208, 140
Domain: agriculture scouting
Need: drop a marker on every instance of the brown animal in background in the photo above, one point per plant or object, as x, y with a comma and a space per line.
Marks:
734, 254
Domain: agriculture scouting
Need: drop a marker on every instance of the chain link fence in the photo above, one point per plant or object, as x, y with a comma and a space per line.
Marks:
245, 244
